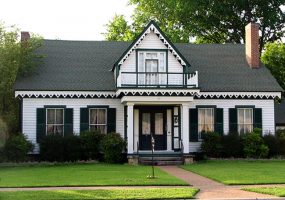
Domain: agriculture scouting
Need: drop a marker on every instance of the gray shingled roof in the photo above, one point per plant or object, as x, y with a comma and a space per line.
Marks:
280, 113
85, 65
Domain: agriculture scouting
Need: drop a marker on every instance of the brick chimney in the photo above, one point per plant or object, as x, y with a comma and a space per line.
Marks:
252, 45
25, 36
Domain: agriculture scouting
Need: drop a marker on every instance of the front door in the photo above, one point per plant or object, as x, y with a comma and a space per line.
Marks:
152, 123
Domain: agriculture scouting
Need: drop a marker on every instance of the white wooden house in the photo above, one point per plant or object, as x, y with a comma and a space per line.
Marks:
149, 87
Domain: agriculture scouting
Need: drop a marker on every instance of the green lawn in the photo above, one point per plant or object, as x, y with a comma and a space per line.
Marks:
157, 193
238, 172
276, 191
82, 175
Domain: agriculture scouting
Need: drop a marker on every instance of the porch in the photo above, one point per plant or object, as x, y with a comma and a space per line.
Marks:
163, 119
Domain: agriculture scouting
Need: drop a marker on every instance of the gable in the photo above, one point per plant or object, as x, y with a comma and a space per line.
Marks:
149, 34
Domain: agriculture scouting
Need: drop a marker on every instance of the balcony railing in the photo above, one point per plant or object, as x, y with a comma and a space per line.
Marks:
158, 79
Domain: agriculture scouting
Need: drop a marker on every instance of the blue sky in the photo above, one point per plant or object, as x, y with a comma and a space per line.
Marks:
63, 19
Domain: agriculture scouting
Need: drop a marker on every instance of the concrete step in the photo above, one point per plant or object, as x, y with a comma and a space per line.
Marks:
161, 162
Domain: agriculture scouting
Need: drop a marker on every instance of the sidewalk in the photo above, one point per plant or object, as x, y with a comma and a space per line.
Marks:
210, 189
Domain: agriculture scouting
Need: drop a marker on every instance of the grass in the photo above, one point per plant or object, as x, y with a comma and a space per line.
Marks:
276, 191
157, 193
82, 175
239, 172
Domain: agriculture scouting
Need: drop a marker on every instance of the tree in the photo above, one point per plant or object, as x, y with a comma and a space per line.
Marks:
16, 60
211, 21
119, 30
274, 58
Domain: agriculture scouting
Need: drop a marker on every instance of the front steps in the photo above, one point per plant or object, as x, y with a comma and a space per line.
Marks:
173, 158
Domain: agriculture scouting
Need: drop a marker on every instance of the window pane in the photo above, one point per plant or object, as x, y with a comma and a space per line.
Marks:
50, 129
100, 128
50, 116
248, 116
240, 116
151, 55
201, 116
151, 65
59, 116
101, 116
141, 61
146, 123
58, 130
162, 67
159, 123
93, 115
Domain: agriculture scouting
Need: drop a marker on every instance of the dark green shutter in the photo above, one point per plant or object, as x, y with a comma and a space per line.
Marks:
125, 121
219, 121
257, 118
68, 121
41, 123
111, 120
233, 120
84, 119
193, 125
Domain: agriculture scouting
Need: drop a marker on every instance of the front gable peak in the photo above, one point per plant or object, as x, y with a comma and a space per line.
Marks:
153, 27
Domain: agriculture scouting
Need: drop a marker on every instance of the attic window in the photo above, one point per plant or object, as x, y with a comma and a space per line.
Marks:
152, 68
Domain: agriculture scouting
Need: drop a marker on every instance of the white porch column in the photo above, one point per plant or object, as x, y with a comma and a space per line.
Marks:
130, 129
185, 127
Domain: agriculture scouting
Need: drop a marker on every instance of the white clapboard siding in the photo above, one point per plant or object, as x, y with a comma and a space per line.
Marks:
30, 108
268, 120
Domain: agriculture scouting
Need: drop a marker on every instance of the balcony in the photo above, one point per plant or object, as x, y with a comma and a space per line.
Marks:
157, 80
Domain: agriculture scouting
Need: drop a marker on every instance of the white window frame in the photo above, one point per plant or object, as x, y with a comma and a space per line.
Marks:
55, 119
244, 124
99, 124
212, 124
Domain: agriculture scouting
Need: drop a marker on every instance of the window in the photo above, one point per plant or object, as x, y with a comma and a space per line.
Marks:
205, 121
152, 68
55, 121
98, 119
245, 120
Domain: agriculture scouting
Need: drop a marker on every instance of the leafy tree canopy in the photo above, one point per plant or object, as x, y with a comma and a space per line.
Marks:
209, 21
16, 59
274, 58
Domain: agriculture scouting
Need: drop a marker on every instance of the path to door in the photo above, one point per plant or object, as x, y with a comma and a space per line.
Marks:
210, 189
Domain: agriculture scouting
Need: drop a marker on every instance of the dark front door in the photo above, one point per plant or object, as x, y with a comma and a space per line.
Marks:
152, 123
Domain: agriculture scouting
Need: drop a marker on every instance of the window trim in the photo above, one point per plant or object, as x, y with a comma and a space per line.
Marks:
213, 120
106, 117
55, 108
243, 124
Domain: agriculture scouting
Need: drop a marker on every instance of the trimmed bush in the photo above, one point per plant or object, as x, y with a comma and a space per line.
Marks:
273, 144
17, 148
113, 146
91, 144
232, 146
280, 136
211, 144
253, 145
52, 148
72, 148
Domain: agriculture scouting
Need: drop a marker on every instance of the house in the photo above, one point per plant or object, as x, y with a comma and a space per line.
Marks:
149, 88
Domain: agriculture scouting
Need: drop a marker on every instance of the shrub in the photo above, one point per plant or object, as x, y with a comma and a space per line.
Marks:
211, 144
72, 148
280, 136
231, 145
17, 148
254, 146
91, 144
113, 146
52, 148
273, 144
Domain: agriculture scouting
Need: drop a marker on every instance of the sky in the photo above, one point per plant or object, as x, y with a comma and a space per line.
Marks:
63, 19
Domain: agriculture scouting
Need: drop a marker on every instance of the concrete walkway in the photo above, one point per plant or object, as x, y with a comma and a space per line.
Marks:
210, 189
